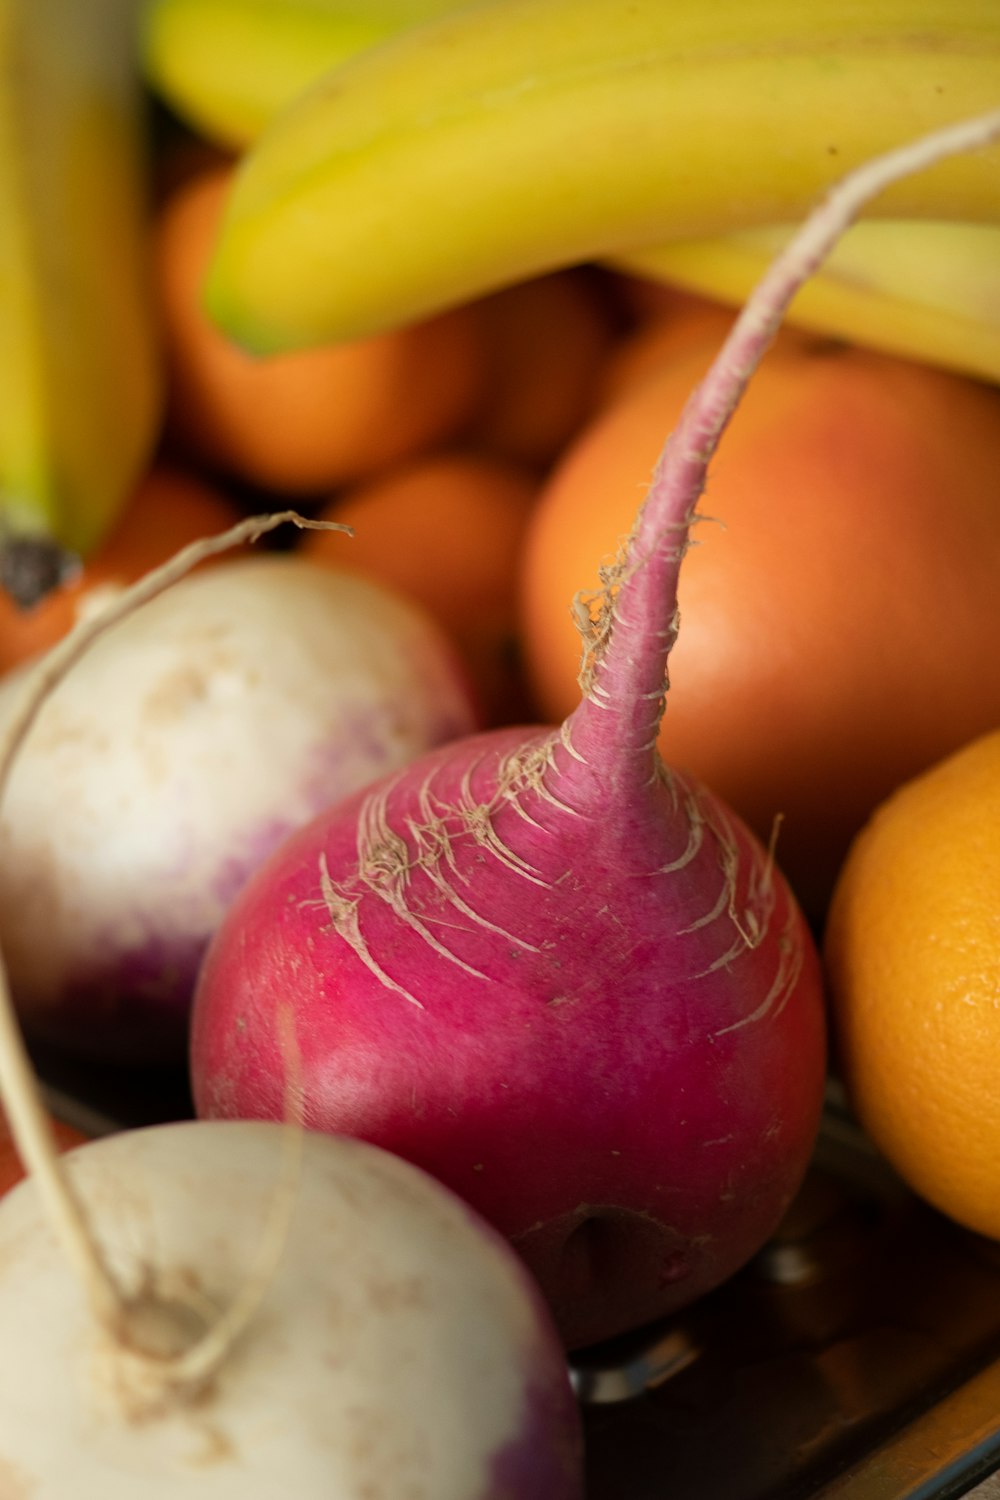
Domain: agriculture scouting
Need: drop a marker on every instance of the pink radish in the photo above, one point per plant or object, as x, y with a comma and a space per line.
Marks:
559, 976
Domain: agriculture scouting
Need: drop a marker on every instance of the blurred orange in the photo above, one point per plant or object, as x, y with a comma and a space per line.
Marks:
545, 342
682, 322
168, 509
303, 422
446, 531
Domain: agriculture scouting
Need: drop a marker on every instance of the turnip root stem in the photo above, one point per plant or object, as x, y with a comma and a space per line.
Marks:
29, 1124
626, 668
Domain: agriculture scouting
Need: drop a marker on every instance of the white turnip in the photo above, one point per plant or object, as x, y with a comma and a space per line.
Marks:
558, 975
177, 754
399, 1348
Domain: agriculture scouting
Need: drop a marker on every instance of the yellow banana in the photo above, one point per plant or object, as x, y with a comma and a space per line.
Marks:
79, 370
227, 66
928, 291
516, 135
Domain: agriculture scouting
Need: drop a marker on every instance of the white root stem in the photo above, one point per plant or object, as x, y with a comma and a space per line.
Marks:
19, 1090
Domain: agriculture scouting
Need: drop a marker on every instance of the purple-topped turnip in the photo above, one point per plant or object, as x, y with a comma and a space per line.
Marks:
194, 737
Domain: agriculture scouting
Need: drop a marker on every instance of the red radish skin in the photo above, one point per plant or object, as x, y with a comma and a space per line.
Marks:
556, 974
523, 997
559, 977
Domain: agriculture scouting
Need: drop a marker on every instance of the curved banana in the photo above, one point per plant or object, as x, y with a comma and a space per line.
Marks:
517, 135
928, 291
79, 365
228, 66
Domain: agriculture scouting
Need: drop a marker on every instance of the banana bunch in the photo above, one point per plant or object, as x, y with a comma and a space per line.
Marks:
79, 367
509, 137
228, 66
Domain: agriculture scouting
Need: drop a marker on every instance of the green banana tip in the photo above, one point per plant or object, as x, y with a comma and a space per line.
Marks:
224, 311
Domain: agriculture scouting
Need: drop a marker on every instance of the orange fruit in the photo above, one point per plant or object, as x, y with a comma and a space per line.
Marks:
446, 531
302, 422
168, 509
544, 343
684, 322
912, 951
839, 630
